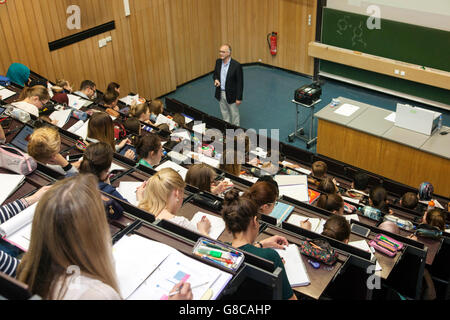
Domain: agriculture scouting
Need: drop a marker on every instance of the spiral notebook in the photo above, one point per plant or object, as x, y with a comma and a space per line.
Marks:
294, 266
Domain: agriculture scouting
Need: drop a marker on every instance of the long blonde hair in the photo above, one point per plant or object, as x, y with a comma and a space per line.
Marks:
69, 229
158, 189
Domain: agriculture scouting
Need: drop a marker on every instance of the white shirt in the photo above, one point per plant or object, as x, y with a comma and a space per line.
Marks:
28, 107
223, 74
82, 287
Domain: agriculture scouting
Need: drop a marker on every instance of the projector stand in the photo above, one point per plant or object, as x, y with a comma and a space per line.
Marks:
299, 132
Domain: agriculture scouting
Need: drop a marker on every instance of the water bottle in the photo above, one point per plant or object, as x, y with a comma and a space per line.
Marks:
430, 205
439, 126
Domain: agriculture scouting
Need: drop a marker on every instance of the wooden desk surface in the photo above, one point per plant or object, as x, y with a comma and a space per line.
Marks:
319, 278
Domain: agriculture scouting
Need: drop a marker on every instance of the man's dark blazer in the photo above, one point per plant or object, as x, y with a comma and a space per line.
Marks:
234, 85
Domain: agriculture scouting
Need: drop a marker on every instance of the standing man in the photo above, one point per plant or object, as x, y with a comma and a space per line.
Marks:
229, 82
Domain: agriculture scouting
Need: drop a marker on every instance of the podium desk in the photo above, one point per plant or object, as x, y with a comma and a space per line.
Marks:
365, 139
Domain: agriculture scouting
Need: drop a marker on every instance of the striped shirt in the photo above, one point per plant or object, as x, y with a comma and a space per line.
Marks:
8, 264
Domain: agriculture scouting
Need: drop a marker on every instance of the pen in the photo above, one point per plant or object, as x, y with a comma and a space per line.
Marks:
383, 238
194, 287
214, 253
220, 248
315, 246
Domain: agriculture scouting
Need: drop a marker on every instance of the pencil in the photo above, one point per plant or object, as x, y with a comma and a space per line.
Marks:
194, 287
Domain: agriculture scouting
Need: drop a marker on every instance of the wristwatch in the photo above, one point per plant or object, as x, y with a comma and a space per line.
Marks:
259, 243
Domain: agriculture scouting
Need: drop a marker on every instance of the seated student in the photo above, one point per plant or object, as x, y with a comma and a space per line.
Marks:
337, 227
229, 162
19, 74
88, 90
8, 263
71, 232
377, 207
149, 150
180, 121
110, 100
241, 218
132, 126
162, 195
101, 128
140, 112
389, 226
32, 99
409, 200
59, 95
318, 170
156, 108
264, 194
65, 85
203, 177
97, 160
328, 185
113, 87
270, 180
44, 146
359, 186
331, 202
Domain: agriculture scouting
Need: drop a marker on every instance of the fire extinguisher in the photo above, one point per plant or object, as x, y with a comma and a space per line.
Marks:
272, 41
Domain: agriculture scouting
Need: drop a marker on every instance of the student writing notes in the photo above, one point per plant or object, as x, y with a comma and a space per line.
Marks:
162, 195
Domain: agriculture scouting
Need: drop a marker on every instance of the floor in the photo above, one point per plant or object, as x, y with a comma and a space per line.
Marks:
267, 100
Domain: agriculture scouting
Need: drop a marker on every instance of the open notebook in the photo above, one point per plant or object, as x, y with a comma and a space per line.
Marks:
163, 119
10, 183
316, 223
293, 186
127, 189
17, 230
217, 223
62, 116
294, 266
170, 164
148, 270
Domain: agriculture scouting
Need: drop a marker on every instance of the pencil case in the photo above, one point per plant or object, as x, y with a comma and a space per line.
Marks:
218, 253
386, 245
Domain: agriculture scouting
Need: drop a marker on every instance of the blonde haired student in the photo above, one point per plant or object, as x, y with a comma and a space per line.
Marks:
70, 253
44, 146
141, 112
162, 195
32, 99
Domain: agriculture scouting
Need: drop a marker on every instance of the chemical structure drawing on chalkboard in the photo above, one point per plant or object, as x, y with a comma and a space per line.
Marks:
357, 32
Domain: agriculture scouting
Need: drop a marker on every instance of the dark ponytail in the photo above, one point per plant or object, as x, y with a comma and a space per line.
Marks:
97, 158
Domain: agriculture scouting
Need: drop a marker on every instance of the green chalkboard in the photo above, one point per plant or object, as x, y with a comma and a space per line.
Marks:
395, 40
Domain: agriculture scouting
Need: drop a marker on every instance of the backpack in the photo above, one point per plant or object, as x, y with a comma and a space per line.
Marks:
119, 131
16, 161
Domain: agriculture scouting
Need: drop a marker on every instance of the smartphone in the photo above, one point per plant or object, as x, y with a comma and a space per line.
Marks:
74, 157
359, 230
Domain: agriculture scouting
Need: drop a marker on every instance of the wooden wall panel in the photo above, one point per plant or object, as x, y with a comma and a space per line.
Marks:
162, 44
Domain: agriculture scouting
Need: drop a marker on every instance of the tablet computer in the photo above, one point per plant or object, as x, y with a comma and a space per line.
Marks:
22, 138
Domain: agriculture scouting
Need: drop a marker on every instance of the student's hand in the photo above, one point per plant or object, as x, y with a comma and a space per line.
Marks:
216, 83
116, 108
54, 122
129, 154
277, 242
390, 211
238, 102
123, 143
220, 188
77, 164
305, 225
204, 225
59, 160
185, 291
37, 195
140, 191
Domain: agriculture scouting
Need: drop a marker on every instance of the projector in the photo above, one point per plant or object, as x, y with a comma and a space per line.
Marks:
308, 94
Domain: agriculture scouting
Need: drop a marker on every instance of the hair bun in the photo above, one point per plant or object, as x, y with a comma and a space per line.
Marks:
231, 196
